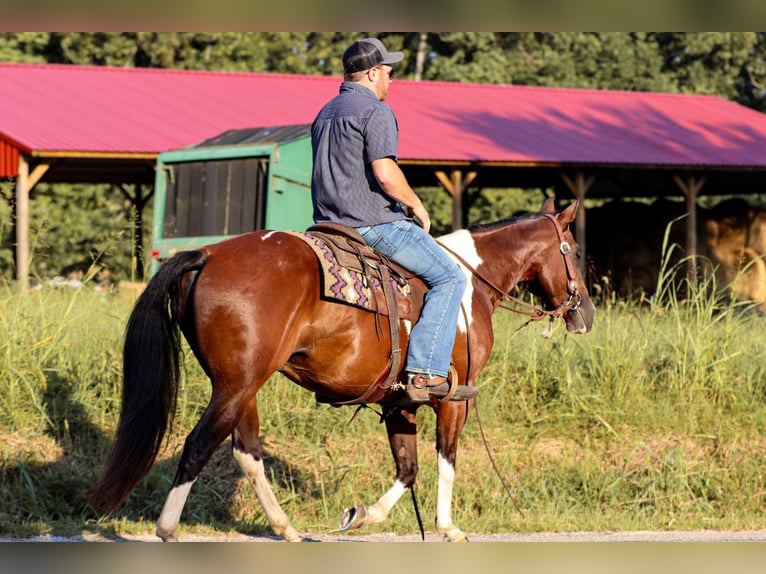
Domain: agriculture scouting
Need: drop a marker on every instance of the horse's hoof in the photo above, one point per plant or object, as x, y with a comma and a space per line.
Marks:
455, 535
296, 538
291, 535
168, 537
353, 517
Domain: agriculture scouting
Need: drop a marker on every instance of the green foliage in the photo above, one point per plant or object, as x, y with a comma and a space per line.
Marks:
288, 52
73, 223
710, 62
7, 231
653, 420
471, 57
58, 355
23, 46
495, 204
730, 65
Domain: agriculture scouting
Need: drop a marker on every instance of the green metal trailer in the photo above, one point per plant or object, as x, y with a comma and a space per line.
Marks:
237, 182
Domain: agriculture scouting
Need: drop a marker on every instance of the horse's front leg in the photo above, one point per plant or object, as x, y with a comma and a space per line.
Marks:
401, 426
450, 419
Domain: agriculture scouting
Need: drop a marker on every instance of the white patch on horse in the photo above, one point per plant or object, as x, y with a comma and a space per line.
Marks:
256, 474
462, 243
268, 235
379, 511
171, 511
444, 524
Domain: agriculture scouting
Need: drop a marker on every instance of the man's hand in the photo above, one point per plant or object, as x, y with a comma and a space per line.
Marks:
421, 214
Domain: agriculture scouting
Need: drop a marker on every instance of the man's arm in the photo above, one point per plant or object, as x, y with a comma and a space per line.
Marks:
392, 180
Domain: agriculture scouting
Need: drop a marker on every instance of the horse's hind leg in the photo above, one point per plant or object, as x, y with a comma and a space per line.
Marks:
402, 438
246, 449
216, 424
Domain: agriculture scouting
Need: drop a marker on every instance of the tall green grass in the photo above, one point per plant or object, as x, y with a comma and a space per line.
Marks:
653, 420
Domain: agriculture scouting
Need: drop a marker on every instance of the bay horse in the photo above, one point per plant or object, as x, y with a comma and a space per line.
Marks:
245, 326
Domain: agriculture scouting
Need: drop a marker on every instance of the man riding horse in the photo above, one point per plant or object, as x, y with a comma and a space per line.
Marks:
357, 182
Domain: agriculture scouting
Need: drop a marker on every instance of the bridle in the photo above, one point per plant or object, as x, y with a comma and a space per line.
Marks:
575, 299
535, 313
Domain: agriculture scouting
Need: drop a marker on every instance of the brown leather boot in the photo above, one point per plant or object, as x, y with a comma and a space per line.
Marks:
420, 387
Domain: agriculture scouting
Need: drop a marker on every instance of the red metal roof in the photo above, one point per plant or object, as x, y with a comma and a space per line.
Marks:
94, 109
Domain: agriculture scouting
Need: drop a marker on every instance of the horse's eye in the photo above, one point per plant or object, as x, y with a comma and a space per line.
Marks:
578, 254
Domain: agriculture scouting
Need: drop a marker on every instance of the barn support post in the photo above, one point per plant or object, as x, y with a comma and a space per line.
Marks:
579, 186
25, 181
691, 186
456, 185
138, 239
138, 201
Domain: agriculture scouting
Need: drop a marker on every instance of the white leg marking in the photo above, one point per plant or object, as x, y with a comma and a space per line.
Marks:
171, 511
444, 524
256, 474
378, 512
461, 242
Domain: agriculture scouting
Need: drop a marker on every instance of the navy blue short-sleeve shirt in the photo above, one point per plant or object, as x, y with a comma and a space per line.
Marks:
351, 131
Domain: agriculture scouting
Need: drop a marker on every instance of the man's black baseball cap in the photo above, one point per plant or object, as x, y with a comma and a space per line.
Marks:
366, 54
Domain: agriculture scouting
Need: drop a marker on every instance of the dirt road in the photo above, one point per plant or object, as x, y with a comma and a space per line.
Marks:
635, 536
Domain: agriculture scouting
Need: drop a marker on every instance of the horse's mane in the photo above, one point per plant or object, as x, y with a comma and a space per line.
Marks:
480, 227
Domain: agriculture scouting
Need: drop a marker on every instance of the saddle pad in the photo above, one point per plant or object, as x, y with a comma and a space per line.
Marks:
350, 285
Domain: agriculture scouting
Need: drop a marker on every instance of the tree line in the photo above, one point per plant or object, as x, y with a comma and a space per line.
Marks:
731, 65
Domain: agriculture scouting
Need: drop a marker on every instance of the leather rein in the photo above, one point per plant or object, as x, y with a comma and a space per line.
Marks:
534, 312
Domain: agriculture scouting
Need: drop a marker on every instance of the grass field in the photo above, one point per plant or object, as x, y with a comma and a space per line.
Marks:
654, 420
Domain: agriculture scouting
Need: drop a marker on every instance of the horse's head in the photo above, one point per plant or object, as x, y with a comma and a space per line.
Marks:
558, 281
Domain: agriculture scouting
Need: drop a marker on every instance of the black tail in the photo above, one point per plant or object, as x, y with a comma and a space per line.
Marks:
150, 383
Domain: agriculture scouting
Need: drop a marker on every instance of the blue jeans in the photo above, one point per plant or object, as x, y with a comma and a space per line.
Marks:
433, 336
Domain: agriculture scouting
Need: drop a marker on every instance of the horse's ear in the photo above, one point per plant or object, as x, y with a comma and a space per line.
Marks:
568, 215
548, 205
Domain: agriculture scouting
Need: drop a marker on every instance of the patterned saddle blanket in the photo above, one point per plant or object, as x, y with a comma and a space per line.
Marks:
353, 273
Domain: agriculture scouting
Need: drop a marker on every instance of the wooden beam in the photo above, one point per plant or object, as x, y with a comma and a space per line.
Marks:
37, 173
138, 201
691, 186
25, 181
579, 187
22, 225
456, 185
